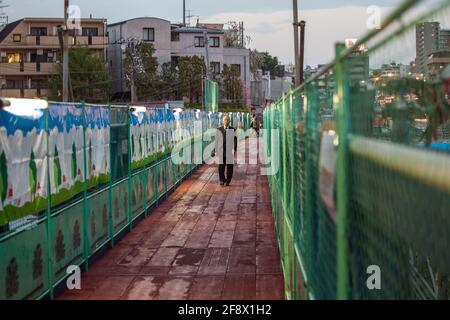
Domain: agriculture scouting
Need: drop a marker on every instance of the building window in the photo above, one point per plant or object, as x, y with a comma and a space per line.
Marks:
199, 42
93, 32
215, 42
149, 34
175, 36
14, 84
39, 84
38, 31
14, 58
174, 60
17, 38
215, 67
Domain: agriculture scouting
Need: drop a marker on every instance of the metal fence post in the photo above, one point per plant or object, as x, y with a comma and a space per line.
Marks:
342, 93
110, 195
129, 202
48, 213
311, 96
85, 204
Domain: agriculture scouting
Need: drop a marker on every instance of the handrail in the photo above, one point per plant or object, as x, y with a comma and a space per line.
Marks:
428, 167
407, 4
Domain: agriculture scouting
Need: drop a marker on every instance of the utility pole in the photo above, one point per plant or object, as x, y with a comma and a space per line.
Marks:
133, 75
241, 33
302, 49
184, 13
296, 47
208, 67
66, 53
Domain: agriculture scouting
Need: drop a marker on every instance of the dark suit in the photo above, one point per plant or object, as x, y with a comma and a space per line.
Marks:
226, 141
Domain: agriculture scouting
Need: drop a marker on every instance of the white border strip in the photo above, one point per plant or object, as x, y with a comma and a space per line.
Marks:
430, 167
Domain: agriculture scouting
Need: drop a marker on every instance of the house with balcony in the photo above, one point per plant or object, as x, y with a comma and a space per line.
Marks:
172, 41
30, 51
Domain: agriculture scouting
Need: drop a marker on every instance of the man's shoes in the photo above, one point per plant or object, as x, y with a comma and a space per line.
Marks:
222, 184
227, 184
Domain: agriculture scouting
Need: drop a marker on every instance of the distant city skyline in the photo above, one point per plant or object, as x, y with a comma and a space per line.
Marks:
268, 22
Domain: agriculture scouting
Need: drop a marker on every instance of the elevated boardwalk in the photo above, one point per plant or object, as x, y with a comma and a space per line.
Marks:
203, 242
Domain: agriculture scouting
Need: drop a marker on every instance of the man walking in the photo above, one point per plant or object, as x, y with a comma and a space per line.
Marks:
255, 125
226, 142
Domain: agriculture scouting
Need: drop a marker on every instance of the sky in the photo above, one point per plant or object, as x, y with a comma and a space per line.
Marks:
267, 22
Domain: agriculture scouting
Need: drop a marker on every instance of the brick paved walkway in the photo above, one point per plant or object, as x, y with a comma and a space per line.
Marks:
203, 242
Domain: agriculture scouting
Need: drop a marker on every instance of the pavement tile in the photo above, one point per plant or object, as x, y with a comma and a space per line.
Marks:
112, 288
221, 239
242, 260
215, 261
206, 288
270, 287
164, 257
268, 260
239, 287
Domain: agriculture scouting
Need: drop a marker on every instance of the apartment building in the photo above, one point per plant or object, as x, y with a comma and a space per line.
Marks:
172, 41
30, 52
430, 38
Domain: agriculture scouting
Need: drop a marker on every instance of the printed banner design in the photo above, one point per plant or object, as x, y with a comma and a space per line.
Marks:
75, 159
66, 154
97, 145
23, 162
150, 135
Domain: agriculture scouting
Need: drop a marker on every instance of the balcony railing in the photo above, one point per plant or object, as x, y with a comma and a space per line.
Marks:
25, 93
53, 41
28, 68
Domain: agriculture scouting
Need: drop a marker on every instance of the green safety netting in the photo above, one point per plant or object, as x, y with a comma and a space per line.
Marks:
363, 179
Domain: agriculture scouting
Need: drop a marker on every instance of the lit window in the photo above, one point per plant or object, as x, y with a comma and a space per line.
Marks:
17, 38
14, 58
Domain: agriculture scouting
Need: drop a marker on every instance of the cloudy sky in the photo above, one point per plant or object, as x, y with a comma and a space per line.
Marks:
268, 22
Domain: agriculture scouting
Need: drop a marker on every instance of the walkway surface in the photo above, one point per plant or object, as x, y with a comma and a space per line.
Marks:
203, 242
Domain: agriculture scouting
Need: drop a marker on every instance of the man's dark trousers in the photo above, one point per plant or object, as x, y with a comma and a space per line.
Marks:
229, 176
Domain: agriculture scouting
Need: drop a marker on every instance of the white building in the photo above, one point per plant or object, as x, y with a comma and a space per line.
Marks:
172, 41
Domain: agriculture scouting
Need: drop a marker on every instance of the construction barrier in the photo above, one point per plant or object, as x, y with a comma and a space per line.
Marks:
76, 176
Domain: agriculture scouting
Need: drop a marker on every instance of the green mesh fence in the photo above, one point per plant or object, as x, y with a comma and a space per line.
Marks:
211, 96
363, 183
104, 167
